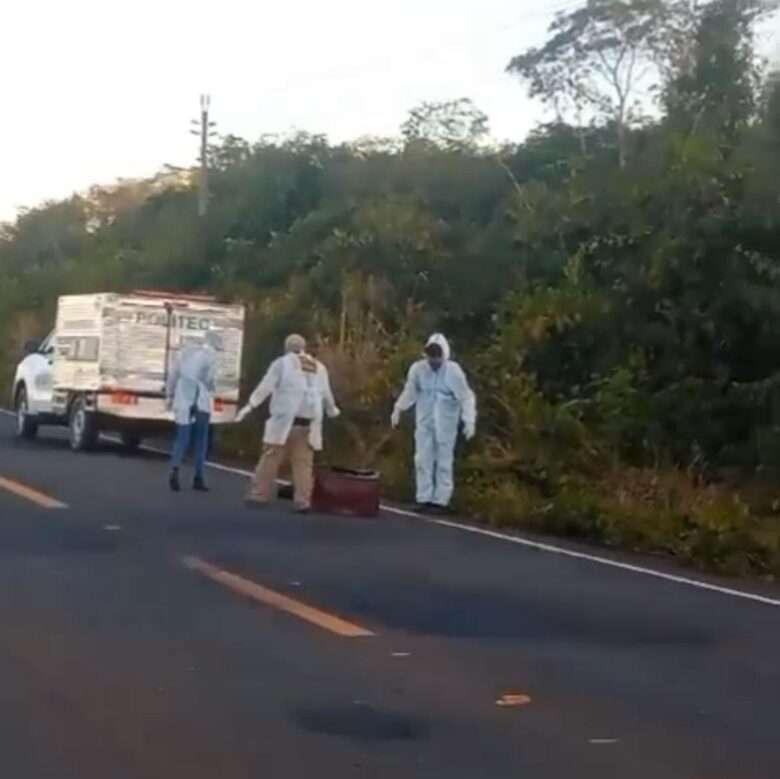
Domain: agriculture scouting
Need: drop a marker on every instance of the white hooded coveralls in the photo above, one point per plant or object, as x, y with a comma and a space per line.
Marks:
193, 379
442, 400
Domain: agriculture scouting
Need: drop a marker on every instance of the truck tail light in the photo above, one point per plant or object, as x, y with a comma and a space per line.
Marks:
124, 399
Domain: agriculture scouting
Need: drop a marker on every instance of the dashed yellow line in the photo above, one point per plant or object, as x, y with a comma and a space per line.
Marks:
276, 600
33, 495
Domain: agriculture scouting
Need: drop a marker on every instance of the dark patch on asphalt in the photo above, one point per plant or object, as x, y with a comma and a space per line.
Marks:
59, 443
215, 526
62, 540
496, 615
360, 722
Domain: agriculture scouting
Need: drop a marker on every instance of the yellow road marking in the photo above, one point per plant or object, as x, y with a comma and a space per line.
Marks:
276, 600
513, 699
28, 493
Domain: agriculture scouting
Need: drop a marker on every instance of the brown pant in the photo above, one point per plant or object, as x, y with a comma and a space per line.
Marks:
301, 456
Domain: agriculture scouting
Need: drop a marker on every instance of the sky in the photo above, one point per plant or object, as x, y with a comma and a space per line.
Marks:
95, 90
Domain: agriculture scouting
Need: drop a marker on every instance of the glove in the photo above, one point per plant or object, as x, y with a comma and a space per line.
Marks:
395, 419
243, 414
469, 430
336, 413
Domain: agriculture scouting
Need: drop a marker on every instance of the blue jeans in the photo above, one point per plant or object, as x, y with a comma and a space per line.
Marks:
182, 442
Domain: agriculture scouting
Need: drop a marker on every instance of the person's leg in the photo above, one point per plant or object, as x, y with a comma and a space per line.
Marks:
445, 457
263, 487
424, 459
302, 462
180, 444
202, 421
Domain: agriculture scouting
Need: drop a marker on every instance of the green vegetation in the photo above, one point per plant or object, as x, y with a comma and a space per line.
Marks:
612, 284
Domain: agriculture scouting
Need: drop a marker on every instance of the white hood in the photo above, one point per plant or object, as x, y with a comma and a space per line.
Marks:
438, 338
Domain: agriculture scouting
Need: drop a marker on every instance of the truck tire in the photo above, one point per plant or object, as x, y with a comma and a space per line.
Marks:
82, 427
130, 441
26, 423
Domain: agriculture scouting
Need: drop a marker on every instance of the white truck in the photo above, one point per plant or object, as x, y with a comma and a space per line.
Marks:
106, 364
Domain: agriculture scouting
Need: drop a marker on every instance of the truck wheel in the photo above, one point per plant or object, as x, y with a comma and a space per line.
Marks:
130, 442
82, 426
26, 423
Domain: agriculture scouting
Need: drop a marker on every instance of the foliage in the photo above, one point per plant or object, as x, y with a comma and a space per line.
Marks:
452, 125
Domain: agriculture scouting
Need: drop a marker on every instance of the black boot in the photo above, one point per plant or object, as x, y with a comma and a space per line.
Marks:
199, 485
173, 481
438, 510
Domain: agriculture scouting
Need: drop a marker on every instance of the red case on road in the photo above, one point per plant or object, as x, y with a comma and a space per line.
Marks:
345, 491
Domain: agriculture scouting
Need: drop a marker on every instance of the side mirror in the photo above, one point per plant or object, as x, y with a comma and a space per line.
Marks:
31, 347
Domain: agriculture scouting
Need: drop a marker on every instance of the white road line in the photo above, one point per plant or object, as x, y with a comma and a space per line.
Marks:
553, 549
529, 544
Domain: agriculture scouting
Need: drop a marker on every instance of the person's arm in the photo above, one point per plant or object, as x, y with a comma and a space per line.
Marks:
173, 380
267, 385
211, 376
329, 402
467, 400
407, 398
263, 390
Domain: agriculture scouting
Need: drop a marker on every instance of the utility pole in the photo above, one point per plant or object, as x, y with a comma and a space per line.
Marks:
205, 132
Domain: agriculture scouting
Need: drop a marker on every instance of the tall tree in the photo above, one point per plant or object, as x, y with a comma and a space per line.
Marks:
716, 90
773, 101
601, 58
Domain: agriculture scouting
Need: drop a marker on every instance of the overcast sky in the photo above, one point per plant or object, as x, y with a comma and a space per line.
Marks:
94, 90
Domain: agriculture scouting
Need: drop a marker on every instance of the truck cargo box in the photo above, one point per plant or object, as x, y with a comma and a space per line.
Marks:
120, 348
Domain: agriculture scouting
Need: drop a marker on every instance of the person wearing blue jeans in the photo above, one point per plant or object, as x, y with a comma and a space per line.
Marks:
190, 390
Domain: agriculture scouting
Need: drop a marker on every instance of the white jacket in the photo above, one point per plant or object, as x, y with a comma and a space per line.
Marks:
287, 384
192, 382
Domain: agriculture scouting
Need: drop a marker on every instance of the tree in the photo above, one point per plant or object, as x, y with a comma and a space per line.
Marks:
717, 89
456, 124
772, 101
48, 236
599, 58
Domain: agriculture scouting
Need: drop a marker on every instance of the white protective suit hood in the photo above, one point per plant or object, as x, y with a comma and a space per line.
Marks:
440, 340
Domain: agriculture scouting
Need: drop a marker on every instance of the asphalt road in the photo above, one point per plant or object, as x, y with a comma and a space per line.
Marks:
146, 634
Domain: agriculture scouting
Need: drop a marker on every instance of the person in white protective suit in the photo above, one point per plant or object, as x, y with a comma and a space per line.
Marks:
190, 392
300, 392
438, 389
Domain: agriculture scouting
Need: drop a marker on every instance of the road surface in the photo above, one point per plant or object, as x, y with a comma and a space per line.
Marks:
147, 634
